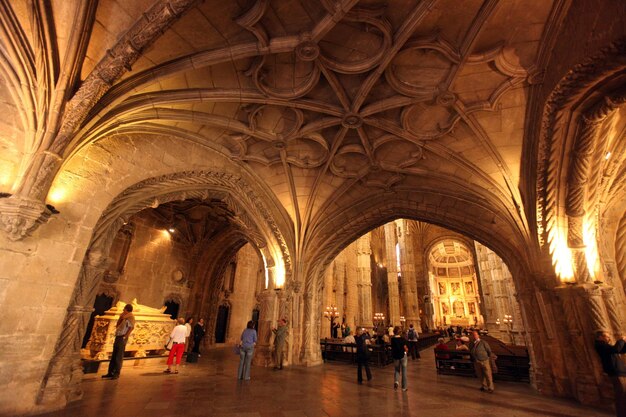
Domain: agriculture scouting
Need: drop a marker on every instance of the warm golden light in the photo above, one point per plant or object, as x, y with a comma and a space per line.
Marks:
267, 272
591, 247
562, 258
279, 274
6, 177
57, 195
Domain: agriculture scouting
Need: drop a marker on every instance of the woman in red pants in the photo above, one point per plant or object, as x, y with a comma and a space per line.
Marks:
178, 336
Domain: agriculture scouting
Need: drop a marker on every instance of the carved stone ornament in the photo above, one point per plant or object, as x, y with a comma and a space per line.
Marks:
177, 276
307, 51
21, 216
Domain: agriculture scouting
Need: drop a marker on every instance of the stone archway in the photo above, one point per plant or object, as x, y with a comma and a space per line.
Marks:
62, 380
486, 221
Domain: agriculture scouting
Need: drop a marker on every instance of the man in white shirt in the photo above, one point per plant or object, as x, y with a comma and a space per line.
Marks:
188, 327
178, 336
349, 339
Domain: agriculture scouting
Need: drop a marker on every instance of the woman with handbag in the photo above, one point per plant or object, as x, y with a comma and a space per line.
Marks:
178, 336
246, 351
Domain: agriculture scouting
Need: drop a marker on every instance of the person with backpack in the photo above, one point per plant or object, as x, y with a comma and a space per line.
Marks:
413, 338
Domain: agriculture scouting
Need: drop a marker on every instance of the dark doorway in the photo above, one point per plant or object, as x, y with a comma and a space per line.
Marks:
220, 325
255, 318
103, 303
171, 308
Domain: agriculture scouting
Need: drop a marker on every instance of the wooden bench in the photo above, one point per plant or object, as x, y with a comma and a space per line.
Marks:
513, 361
379, 355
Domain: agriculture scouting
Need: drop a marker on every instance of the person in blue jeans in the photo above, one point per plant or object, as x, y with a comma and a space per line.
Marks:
399, 349
246, 351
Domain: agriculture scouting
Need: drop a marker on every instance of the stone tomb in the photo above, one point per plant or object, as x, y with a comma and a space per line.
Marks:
152, 329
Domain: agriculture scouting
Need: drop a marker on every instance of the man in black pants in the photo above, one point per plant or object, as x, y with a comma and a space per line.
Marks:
362, 354
123, 328
413, 338
198, 334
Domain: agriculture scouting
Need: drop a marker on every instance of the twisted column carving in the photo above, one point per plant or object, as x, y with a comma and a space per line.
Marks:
598, 313
61, 384
585, 387
613, 311
620, 250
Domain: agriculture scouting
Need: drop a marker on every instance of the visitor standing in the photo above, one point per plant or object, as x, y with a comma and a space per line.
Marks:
198, 335
480, 353
614, 366
362, 355
399, 349
280, 338
413, 338
246, 351
178, 336
123, 328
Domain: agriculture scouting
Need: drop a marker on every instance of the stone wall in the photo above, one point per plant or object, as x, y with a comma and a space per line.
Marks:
249, 269
157, 266
499, 297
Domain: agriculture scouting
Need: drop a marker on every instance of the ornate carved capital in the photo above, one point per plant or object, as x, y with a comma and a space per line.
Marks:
21, 216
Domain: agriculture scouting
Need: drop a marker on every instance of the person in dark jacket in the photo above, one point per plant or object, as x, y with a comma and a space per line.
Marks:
362, 354
198, 334
614, 367
399, 349
480, 353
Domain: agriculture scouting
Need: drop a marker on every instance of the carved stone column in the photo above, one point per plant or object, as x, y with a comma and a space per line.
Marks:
311, 354
339, 279
295, 321
392, 274
364, 281
262, 353
540, 338
62, 382
581, 372
409, 278
615, 314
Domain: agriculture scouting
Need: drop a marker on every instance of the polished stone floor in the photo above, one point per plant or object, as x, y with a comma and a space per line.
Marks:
209, 388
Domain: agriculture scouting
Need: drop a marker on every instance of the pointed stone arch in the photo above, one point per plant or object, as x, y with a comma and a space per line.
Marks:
62, 381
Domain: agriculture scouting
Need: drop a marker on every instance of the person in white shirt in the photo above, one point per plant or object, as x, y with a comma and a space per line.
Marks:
189, 328
178, 336
349, 339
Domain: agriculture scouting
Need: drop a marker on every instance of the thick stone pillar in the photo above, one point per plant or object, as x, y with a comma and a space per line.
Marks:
364, 281
62, 382
392, 274
267, 312
339, 290
576, 311
311, 353
409, 279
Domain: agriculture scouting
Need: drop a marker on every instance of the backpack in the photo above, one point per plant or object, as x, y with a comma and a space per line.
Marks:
412, 335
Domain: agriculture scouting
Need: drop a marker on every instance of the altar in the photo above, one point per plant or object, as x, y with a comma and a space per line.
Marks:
152, 329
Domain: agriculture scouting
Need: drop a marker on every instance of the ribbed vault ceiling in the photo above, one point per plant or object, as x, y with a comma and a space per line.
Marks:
319, 97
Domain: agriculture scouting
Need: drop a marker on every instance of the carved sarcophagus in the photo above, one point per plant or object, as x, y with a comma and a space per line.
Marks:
152, 329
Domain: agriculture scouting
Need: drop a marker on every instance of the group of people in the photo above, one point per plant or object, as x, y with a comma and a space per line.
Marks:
177, 343
402, 344
179, 339
248, 341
